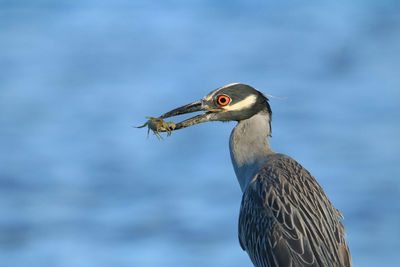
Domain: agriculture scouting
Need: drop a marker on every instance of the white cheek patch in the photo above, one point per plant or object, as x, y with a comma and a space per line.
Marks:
245, 103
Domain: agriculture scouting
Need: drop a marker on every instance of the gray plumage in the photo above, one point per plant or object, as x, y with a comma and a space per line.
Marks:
285, 218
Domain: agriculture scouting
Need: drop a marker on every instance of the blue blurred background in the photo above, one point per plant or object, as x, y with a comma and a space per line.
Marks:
80, 187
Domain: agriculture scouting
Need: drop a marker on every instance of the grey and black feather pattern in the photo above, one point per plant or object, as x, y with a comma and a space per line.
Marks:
287, 220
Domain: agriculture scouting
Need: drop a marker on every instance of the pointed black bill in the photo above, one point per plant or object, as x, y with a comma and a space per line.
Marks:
189, 108
192, 107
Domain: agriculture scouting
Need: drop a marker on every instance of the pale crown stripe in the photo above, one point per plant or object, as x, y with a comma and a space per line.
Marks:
212, 94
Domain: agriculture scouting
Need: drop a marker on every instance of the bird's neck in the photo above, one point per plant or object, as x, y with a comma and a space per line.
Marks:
249, 146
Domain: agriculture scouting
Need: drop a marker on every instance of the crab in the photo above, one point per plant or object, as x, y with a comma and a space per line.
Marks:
157, 126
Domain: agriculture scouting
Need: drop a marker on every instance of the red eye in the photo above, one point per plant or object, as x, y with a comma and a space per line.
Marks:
223, 100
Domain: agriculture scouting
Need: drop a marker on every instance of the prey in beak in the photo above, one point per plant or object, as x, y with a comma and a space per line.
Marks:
232, 102
158, 125
201, 105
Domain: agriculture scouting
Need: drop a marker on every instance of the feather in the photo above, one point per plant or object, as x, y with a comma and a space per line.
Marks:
287, 220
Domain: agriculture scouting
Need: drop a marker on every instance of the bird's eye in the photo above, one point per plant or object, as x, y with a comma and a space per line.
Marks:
223, 100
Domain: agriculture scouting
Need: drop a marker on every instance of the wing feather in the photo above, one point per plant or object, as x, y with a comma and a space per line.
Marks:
287, 220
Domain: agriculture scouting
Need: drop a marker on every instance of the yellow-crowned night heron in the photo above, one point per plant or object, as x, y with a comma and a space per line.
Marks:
285, 219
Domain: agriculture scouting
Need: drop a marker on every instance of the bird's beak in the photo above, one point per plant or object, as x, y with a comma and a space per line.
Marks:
201, 105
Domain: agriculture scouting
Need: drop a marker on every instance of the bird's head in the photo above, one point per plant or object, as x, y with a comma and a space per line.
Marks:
232, 102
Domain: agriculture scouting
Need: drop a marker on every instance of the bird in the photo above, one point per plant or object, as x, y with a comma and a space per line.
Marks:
285, 219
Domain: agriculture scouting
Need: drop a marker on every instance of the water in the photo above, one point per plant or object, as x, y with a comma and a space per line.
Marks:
80, 187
